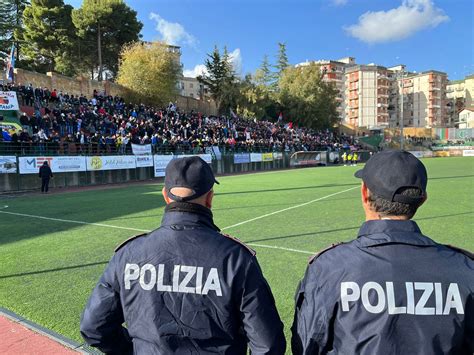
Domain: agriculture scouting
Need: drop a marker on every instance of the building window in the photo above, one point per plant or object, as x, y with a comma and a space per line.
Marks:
191, 94
191, 85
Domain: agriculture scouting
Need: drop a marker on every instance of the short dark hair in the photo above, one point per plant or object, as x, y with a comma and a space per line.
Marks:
385, 207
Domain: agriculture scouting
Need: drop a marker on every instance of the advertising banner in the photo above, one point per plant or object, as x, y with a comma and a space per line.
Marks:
417, 153
255, 157
160, 163
267, 157
441, 154
468, 153
66, 164
138, 149
112, 162
7, 164
214, 150
8, 101
277, 156
144, 161
206, 157
241, 158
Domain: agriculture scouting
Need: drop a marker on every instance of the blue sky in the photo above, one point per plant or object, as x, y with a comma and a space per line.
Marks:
423, 34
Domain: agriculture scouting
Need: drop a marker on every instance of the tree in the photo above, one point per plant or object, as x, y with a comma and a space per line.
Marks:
47, 35
221, 80
110, 24
150, 72
263, 75
308, 99
11, 21
282, 59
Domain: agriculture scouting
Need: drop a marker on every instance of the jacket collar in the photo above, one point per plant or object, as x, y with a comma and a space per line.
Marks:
185, 213
379, 232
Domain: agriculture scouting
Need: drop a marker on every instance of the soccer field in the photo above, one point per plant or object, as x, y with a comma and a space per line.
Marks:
49, 265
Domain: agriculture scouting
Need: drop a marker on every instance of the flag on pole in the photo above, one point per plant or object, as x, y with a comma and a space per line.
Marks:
280, 117
232, 114
10, 64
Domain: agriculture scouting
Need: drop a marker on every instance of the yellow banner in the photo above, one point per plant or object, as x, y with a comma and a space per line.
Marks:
267, 157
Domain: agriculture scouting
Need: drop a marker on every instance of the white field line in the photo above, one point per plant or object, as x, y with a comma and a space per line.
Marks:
232, 226
289, 208
71, 221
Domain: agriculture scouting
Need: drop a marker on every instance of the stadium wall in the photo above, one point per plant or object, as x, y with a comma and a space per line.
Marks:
85, 86
14, 181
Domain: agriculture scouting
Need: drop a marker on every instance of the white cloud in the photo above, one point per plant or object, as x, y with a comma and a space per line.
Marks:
199, 69
395, 24
339, 2
235, 58
172, 32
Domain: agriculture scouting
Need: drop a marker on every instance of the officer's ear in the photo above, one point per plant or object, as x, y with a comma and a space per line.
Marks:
209, 197
364, 193
165, 196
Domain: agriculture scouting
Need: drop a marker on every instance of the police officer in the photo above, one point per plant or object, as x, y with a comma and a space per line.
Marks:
392, 290
184, 288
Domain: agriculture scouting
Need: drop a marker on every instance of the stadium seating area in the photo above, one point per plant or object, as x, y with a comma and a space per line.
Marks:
108, 125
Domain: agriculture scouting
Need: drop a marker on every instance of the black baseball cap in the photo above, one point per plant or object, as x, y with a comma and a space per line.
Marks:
189, 172
388, 172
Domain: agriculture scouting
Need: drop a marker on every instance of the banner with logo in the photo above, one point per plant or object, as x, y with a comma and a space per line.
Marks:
144, 149
468, 153
7, 164
112, 162
215, 151
267, 157
255, 157
8, 101
62, 164
241, 158
277, 156
144, 161
160, 163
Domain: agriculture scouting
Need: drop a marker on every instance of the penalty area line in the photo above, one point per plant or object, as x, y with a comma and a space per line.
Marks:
289, 208
72, 221
136, 230
228, 227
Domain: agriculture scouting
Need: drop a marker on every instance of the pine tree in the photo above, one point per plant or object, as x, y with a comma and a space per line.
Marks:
109, 24
47, 35
282, 59
11, 20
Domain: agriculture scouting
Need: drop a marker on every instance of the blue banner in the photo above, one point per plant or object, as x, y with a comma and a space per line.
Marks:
241, 158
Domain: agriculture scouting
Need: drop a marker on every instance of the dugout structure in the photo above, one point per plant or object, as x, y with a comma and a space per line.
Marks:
300, 159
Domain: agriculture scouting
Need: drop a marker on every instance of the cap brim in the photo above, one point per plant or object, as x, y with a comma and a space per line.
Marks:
359, 174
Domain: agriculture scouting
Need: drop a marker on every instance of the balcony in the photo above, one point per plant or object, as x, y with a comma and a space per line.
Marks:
434, 89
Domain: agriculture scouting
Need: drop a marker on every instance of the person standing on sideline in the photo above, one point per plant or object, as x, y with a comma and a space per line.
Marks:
344, 158
392, 290
45, 174
184, 288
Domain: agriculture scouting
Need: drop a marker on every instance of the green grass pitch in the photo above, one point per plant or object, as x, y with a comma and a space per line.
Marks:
48, 267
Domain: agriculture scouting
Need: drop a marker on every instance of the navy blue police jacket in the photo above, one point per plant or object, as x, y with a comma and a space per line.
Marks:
184, 288
390, 291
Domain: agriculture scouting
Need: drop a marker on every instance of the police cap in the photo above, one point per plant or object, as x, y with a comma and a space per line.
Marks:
189, 172
388, 172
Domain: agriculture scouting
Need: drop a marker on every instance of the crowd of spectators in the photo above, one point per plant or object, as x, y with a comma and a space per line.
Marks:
107, 124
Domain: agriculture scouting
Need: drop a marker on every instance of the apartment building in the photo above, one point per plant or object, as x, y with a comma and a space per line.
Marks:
334, 72
191, 87
460, 95
424, 98
366, 95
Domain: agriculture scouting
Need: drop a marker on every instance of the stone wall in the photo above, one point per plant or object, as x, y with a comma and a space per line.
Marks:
85, 86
